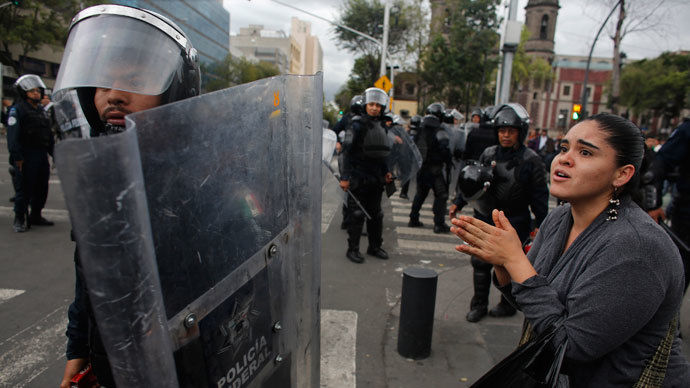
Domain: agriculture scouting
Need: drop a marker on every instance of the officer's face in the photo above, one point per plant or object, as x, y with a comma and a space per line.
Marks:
508, 136
373, 109
34, 94
113, 104
585, 168
476, 119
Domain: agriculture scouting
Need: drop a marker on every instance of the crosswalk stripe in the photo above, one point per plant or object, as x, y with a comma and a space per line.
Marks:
338, 349
426, 232
408, 205
405, 219
427, 213
440, 247
50, 214
7, 294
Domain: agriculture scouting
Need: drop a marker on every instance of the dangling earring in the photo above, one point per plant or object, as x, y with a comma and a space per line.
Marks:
614, 202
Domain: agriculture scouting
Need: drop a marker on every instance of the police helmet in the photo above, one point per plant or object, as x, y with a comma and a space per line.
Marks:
397, 120
488, 113
356, 104
437, 109
475, 180
376, 95
512, 115
477, 112
125, 48
27, 82
455, 114
415, 121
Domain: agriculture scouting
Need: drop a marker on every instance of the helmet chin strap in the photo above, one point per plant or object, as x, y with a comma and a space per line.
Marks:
110, 129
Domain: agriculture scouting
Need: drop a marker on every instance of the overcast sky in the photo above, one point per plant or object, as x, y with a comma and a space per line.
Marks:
577, 24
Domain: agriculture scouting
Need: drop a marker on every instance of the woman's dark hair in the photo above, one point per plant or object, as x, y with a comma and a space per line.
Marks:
627, 140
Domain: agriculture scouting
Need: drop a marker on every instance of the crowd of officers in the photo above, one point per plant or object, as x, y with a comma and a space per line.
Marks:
499, 163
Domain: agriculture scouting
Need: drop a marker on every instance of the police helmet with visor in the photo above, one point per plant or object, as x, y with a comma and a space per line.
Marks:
512, 115
474, 180
376, 95
128, 49
437, 109
28, 82
356, 105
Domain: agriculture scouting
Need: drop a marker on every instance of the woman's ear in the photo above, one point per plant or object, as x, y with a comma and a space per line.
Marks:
623, 175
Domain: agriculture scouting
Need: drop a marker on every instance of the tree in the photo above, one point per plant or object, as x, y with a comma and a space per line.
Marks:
34, 24
233, 71
367, 17
661, 84
462, 56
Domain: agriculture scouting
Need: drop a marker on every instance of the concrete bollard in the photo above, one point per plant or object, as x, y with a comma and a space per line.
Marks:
417, 312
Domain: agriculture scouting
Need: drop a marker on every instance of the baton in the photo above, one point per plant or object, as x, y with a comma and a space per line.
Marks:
348, 191
679, 243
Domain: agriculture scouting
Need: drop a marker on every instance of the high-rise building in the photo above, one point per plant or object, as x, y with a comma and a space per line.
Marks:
206, 23
306, 56
257, 43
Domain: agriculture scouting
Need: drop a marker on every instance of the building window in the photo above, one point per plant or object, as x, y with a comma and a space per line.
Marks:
534, 96
589, 93
566, 90
409, 89
33, 66
562, 117
544, 27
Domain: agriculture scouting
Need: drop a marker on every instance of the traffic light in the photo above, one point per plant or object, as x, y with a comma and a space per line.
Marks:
17, 3
577, 108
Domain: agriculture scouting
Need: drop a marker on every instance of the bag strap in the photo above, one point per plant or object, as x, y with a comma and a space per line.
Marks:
655, 371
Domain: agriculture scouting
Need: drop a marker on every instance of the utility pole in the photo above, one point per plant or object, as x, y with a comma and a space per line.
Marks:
511, 39
384, 48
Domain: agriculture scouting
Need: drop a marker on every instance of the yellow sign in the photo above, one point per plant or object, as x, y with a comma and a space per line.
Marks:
383, 83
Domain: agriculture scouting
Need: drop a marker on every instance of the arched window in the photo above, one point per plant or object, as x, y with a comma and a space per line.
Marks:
544, 26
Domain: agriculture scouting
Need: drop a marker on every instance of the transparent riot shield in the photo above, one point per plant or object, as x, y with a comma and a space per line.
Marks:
198, 230
405, 159
70, 118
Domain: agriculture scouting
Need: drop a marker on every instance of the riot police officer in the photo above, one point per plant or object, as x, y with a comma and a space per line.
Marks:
672, 163
518, 186
143, 60
365, 171
356, 109
433, 142
30, 141
413, 131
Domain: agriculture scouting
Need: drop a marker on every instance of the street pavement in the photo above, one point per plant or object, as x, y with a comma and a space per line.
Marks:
360, 302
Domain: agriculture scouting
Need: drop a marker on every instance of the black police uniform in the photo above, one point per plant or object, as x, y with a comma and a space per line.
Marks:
365, 166
672, 162
519, 185
434, 145
30, 139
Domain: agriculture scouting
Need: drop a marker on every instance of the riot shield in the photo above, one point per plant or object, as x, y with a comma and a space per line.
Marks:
198, 232
405, 159
330, 139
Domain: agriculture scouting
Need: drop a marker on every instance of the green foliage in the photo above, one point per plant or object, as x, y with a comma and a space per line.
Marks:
330, 113
34, 24
364, 73
661, 84
233, 71
528, 69
458, 66
367, 16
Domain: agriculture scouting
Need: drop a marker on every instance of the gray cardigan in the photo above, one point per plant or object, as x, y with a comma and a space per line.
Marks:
618, 286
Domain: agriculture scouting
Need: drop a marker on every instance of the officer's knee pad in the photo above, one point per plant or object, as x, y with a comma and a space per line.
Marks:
358, 214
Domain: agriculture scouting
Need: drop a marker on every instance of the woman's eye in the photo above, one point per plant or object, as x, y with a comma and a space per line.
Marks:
563, 150
585, 152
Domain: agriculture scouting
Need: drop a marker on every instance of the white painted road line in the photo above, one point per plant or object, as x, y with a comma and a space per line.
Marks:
427, 213
414, 246
405, 219
408, 205
338, 349
425, 232
24, 355
50, 214
7, 294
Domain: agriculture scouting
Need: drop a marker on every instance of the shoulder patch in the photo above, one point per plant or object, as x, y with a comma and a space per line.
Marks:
11, 121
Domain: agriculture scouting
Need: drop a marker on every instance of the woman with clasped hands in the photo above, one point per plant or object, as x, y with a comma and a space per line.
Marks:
599, 263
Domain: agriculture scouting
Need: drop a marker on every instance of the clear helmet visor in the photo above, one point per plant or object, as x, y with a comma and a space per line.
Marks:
30, 81
376, 95
118, 52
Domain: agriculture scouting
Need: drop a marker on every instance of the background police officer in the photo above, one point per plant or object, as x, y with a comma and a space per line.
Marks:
413, 130
30, 141
519, 185
434, 145
356, 109
365, 172
672, 163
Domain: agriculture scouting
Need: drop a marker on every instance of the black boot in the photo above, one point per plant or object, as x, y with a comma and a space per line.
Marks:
40, 221
19, 226
480, 300
355, 256
503, 309
378, 252
441, 228
415, 223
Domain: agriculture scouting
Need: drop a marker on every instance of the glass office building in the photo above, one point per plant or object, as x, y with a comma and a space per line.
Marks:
206, 23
